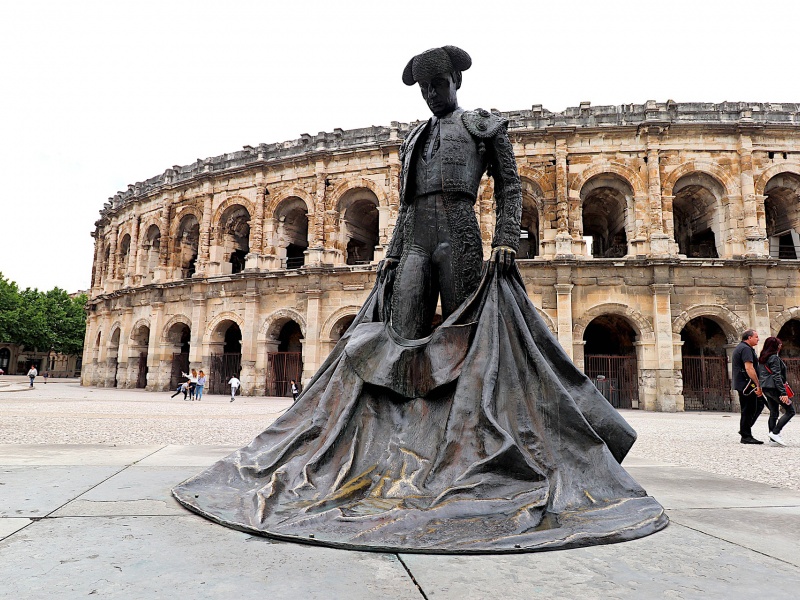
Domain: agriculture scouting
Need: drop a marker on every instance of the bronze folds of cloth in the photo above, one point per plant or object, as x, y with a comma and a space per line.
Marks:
476, 436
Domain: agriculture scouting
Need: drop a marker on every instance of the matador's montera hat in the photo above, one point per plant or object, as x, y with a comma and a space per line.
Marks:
434, 62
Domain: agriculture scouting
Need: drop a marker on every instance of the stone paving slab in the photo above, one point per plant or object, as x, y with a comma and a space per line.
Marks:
73, 454
683, 487
185, 557
134, 491
773, 531
9, 525
675, 563
35, 491
196, 456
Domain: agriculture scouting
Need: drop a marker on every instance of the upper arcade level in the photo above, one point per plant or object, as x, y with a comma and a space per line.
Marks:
661, 180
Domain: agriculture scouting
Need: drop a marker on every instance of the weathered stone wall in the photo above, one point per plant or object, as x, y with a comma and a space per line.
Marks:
691, 210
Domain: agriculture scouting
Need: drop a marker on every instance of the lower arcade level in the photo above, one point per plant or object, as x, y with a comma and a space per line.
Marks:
655, 334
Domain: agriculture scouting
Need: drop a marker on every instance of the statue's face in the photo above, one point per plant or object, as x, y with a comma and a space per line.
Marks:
440, 94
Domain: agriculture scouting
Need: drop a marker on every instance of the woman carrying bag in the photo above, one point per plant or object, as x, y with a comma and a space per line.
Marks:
772, 378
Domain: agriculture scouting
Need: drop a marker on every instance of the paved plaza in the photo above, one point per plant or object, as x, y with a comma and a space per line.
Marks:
86, 511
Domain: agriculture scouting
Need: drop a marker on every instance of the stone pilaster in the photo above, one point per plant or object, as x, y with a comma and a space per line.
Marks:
158, 367
131, 277
563, 288
160, 272
564, 231
311, 347
205, 238
112, 254
249, 377
660, 241
123, 375
755, 242
663, 368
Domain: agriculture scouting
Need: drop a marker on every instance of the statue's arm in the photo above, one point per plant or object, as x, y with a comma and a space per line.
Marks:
507, 192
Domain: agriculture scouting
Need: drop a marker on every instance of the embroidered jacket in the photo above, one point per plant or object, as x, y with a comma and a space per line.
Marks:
471, 142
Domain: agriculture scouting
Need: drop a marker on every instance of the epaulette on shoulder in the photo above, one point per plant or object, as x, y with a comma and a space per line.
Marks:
481, 123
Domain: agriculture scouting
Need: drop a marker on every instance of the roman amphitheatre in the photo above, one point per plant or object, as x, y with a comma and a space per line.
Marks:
652, 235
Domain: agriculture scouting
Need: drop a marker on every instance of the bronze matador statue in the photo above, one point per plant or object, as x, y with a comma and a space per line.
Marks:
436, 248
479, 435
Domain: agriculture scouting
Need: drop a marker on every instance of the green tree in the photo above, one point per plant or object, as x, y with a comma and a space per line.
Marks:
9, 310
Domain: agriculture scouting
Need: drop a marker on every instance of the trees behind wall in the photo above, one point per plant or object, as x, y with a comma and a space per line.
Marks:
50, 320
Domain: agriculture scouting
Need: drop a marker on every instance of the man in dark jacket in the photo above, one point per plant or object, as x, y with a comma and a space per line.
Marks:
436, 248
743, 369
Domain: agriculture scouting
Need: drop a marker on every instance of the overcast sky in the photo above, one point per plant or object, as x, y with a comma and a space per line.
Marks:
97, 95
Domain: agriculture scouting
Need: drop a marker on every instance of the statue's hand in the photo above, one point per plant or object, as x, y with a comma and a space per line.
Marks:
385, 266
504, 257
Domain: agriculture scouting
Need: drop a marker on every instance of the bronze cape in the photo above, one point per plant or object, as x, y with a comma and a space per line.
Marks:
481, 438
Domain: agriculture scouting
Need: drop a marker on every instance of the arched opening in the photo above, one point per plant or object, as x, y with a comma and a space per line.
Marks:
227, 337
284, 358
610, 359
605, 199
529, 225
186, 245
113, 358
151, 247
234, 236
782, 213
340, 327
706, 385
140, 342
695, 216
359, 208
124, 254
292, 219
179, 336
5, 359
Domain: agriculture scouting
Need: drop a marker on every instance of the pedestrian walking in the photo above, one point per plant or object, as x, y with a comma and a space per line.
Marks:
32, 374
183, 387
234, 383
295, 391
45, 375
772, 377
201, 384
745, 382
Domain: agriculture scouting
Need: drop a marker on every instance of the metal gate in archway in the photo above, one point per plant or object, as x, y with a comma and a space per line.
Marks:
282, 367
180, 365
706, 385
616, 377
223, 367
141, 376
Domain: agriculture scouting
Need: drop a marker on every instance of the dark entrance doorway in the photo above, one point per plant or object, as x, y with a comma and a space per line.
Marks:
141, 377
287, 363
180, 335
706, 385
229, 363
790, 353
610, 360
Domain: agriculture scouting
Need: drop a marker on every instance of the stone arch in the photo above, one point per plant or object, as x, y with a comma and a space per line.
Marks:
700, 214
213, 325
175, 319
136, 326
532, 221
284, 194
115, 329
629, 175
779, 320
763, 179
345, 311
727, 182
228, 203
271, 326
540, 178
341, 189
180, 216
641, 325
732, 325
608, 214
548, 320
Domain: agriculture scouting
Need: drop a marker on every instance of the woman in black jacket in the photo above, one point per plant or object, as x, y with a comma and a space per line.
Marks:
772, 377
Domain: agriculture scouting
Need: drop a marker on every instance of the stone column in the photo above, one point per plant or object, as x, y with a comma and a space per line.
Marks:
668, 223
157, 380
564, 308
254, 260
659, 240
198, 327
563, 233
160, 272
755, 241
249, 378
311, 347
112, 255
123, 376
204, 242
97, 275
662, 369
317, 254
759, 300
132, 277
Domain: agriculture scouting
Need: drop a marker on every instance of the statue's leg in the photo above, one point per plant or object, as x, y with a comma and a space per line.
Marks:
414, 296
458, 257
